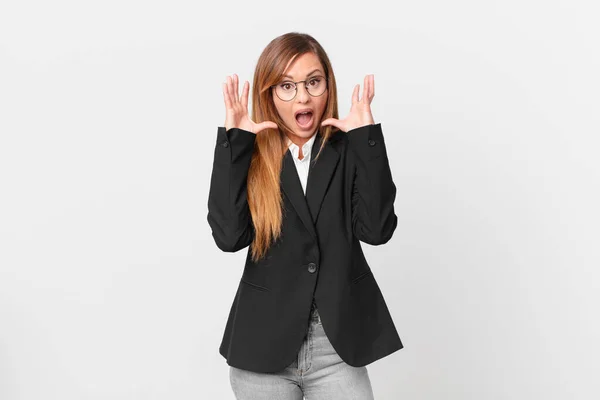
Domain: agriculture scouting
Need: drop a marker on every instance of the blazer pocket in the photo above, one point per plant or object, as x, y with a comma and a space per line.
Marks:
361, 276
255, 286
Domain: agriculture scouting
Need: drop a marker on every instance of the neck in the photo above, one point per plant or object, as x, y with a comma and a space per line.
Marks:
300, 141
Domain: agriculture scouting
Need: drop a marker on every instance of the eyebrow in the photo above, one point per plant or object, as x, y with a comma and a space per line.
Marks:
288, 76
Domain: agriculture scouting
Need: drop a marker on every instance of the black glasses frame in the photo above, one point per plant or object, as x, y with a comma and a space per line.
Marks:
296, 87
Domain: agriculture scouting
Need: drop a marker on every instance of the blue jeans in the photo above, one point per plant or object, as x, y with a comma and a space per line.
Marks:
318, 373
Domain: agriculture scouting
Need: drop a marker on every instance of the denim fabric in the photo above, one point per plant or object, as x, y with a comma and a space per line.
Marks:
318, 373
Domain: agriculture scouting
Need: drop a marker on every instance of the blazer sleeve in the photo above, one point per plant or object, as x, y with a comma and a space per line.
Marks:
373, 191
228, 212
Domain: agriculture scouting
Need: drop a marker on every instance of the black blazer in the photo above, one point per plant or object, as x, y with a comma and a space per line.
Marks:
349, 197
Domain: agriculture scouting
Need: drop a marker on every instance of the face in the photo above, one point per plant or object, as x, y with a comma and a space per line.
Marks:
301, 68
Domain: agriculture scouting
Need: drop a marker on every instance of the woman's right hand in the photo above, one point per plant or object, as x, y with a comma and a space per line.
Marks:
236, 108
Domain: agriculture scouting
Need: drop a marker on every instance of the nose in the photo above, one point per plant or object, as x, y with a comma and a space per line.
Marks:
302, 95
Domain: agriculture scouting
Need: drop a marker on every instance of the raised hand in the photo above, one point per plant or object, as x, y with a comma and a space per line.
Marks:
236, 108
360, 112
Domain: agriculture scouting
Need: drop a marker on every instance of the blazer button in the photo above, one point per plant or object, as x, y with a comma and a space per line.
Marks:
225, 144
312, 267
371, 142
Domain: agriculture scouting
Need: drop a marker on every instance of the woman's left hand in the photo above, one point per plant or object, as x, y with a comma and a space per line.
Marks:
360, 112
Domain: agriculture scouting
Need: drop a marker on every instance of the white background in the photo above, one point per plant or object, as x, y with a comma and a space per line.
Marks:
111, 286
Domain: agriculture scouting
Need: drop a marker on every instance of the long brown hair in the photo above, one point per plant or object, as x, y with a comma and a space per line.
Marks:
264, 194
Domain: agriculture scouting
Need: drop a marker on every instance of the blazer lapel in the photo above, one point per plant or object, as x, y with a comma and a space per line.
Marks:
320, 173
290, 182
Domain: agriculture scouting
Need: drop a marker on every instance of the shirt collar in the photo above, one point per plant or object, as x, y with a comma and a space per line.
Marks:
306, 147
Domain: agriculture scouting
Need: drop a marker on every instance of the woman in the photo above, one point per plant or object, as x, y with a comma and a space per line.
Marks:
301, 188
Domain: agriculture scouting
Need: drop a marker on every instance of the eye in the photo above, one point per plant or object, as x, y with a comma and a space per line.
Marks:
286, 86
314, 81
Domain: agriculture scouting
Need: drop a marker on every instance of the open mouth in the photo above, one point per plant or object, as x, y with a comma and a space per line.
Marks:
304, 120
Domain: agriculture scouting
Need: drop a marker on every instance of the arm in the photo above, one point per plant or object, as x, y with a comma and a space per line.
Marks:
373, 191
228, 212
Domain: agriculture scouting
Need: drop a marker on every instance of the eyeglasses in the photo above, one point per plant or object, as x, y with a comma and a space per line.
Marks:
287, 90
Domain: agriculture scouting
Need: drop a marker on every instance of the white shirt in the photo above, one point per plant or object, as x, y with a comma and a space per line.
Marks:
302, 166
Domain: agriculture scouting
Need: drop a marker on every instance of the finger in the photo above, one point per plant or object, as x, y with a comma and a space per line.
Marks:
245, 95
265, 125
226, 96
236, 87
365, 93
230, 81
369, 89
229, 90
232, 90
355, 94
333, 122
372, 86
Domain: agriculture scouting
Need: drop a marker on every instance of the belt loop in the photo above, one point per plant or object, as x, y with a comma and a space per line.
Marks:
314, 314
